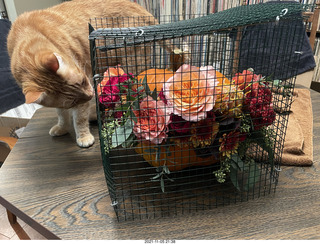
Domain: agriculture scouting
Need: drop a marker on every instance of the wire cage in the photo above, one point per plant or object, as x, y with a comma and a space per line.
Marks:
193, 113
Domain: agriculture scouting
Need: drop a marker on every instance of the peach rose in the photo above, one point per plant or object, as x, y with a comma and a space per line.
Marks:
152, 120
191, 92
245, 78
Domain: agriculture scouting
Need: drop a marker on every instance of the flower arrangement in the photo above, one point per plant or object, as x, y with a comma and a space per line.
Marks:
192, 117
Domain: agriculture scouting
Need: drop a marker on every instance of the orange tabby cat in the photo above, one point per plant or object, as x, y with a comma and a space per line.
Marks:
50, 58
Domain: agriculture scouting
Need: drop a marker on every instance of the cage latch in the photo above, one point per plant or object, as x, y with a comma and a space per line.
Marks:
140, 32
114, 203
282, 13
277, 169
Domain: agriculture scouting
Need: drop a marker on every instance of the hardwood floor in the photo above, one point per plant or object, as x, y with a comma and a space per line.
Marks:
18, 231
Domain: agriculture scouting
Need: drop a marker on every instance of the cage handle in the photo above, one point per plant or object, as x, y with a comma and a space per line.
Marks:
282, 13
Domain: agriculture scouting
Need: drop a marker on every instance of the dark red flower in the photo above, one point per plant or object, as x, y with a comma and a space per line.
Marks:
242, 136
110, 94
258, 102
211, 115
179, 126
162, 97
229, 143
118, 114
204, 132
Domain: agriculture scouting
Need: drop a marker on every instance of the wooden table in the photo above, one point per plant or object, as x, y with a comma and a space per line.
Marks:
59, 189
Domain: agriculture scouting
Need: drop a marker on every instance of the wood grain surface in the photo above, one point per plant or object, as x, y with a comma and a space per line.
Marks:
60, 190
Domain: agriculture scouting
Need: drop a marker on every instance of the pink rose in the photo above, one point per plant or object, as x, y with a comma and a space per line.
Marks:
191, 92
153, 118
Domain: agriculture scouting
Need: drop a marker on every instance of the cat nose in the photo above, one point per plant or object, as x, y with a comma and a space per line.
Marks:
88, 94
91, 92
84, 98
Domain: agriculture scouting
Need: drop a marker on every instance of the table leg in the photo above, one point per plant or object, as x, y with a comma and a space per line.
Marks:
12, 218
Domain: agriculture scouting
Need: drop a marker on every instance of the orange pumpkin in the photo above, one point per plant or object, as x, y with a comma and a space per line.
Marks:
155, 77
178, 159
111, 71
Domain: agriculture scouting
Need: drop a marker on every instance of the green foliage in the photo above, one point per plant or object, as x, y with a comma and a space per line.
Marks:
107, 132
163, 172
243, 174
234, 176
117, 133
221, 173
244, 171
146, 86
122, 133
254, 175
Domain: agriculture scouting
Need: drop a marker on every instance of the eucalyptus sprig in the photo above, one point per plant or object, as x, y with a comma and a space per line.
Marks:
163, 172
107, 131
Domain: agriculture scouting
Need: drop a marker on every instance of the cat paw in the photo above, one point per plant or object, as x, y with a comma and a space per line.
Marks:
85, 141
57, 130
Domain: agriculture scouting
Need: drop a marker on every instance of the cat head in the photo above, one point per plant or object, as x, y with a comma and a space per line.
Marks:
52, 80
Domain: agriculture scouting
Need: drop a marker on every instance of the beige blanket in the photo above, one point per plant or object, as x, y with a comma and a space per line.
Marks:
298, 146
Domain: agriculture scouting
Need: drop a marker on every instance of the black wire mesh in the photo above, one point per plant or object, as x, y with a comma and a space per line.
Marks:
191, 119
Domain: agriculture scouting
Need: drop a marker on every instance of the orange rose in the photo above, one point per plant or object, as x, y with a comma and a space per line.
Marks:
190, 92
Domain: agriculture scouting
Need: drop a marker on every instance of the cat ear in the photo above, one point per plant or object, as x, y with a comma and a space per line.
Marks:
54, 63
32, 96
50, 62
62, 66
